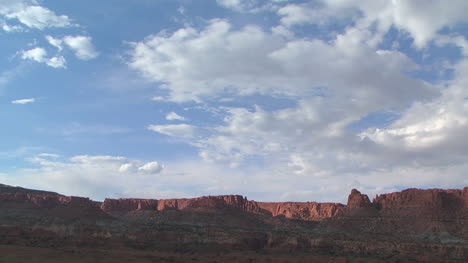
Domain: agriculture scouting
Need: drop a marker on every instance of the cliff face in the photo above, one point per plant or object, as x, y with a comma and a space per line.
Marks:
358, 200
45, 200
50, 204
128, 204
309, 211
408, 203
427, 225
428, 203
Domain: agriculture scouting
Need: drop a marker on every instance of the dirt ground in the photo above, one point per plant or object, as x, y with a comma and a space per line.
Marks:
18, 254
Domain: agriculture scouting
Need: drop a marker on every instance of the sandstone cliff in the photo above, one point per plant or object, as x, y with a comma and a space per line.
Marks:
309, 211
423, 203
426, 225
433, 203
358, 200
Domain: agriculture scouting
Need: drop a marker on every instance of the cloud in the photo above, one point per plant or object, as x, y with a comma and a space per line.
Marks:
421, 19
31, 15
187, 64
10, 28
238, 5
171, 116
96, 176
158, 98
39, 54
37, 17
430, 132
151, 167
127, 167
48, 155
23, 101
176, 130
56, 42
336, 82
82, 46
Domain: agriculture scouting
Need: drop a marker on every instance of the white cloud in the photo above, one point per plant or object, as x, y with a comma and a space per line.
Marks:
243, 5
82, 46
56, 42
10, 28
39, 54
311, 13
158, 98
48, 155
432, 129
333, 81
127, 167
23, 101
88, 175
151, 167
422, 19
187, 63
177, 130
30, 14
37, 17
230, 3
171, 116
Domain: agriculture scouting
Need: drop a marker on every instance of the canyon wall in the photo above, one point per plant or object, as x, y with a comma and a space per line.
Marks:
433, 203
309, 211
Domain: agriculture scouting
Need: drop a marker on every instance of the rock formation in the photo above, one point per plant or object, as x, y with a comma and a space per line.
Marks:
425, 225
309, 211
358, 200
426, 203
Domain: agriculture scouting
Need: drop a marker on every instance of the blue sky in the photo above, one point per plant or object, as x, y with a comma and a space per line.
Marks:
276, 100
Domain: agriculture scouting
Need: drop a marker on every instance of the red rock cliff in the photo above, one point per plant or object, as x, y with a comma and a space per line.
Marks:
358, 200
309, 211
45, 200
296, 210
128, 204
417, 202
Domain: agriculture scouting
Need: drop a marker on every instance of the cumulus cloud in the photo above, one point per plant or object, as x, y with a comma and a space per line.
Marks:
420, 19
432, 129
39, 54
335, 82
126, 167
10, 28
56, 42
176, 130
151, 167
82, 46
31, 15
23, 101
313, 13
238, 5
187, 63
171, 116
34, 16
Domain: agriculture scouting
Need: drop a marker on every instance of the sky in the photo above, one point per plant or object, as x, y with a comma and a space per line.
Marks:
276, 100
